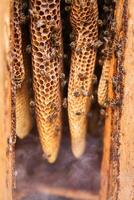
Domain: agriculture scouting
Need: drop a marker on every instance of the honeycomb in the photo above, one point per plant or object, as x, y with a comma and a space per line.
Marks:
109, 43
23, 114
103, 84
16, 44
19, 73
84, 19
46, 34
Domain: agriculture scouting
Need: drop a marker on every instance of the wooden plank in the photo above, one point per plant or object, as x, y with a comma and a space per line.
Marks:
117, 174
6, 182
126, 151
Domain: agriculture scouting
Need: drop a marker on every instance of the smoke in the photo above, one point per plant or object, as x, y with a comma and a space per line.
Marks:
67, 172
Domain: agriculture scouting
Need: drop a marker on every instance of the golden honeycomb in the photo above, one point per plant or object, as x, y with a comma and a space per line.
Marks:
84, 19
16, 44
19, 72
46, 33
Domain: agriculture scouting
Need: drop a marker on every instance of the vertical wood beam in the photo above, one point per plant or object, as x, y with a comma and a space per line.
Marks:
126, 151
6, 181
117, 175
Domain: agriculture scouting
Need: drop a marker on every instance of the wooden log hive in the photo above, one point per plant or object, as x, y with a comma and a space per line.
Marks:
46, 41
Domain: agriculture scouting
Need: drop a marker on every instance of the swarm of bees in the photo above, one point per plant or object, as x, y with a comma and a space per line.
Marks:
44, 23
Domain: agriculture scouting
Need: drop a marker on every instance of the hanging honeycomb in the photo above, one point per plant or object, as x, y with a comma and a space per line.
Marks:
46, 34
45, 24
84, 18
